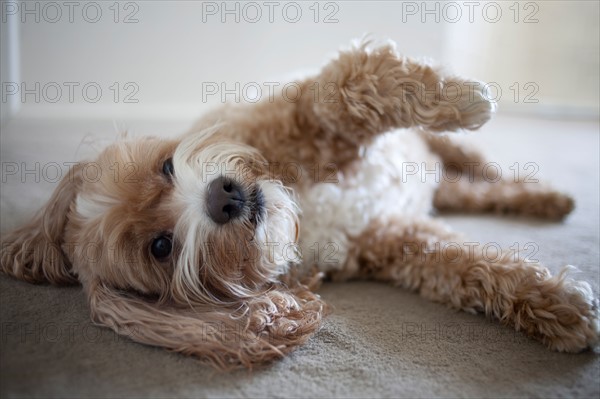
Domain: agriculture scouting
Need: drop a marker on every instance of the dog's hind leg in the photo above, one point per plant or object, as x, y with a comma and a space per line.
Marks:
468, 184
425, 257
503, 197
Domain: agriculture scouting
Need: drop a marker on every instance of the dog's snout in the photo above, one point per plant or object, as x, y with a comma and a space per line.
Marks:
225, 200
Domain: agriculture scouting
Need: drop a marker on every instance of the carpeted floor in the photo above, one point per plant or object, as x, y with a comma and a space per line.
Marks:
379, 342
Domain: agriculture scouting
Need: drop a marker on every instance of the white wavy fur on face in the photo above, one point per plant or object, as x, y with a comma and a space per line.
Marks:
198, 160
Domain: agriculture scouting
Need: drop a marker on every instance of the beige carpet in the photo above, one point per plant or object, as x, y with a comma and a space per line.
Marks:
379, 342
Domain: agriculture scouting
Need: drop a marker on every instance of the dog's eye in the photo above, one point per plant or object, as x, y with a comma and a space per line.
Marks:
161, 247
168, 169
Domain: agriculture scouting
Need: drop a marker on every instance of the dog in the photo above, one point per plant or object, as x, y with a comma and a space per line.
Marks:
212, 244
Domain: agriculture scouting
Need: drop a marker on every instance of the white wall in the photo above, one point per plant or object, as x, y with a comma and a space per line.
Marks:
551, 53
175, 48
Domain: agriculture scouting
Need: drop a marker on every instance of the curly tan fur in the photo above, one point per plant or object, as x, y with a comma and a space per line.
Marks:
355, 98
229, 292
425, 257
504, 197
34, 252
480, 189
246, 334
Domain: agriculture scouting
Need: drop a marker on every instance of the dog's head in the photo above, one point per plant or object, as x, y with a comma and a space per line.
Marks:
171, 237
196, 220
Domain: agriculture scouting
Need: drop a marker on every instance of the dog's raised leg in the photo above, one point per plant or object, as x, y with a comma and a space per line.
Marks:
425, 257
362, 93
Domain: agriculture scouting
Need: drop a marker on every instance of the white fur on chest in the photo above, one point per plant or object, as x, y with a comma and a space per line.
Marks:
387, 181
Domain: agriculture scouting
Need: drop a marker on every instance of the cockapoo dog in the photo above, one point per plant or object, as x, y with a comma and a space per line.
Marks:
211, 244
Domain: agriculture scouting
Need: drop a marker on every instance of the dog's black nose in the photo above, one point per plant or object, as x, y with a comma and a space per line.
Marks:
225, 200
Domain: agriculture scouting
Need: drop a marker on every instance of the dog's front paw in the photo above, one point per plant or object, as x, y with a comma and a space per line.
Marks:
280, 321
562, 313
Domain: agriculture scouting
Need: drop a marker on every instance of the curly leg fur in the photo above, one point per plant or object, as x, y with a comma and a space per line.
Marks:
504, 197
477, 191
364, 92
560, 312
378, 90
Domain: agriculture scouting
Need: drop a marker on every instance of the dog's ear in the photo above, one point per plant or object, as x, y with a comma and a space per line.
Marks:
34, 251
248, 333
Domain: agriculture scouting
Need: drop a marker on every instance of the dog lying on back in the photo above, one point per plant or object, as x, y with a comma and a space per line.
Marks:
211, 244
